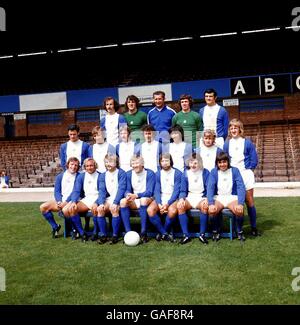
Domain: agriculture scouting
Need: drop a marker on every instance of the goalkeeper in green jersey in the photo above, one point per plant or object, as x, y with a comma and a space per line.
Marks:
189, 120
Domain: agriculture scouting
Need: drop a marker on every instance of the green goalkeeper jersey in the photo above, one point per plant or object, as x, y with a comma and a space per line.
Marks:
135, 123
191, 123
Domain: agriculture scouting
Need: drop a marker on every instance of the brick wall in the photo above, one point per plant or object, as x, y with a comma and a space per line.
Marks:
53, 130
233, 112
21, 128
291, 111
60, 129
292, 105
256, 117
86, 127
2, 122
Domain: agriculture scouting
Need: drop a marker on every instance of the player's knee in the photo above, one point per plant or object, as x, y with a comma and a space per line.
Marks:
123, 203
66, 212
204, 210
145, 201
151, 211
42, 208
100, 212
181, 210
172, 212
114, 211
239, 214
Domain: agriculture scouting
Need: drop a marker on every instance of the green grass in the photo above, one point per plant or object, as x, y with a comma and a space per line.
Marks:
40, 270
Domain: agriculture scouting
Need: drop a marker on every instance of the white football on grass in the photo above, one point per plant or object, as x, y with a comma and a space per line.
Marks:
131, 238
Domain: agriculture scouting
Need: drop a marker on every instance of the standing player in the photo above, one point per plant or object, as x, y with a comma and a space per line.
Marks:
111, 191
151, 149
215, 117
63, 188
100, 148
112, 121
243, 155
193, 196
189, 120
134, 117
138, 195
74, 147
161, 116
84, 195
178, 148
208, 150
226, 189
126, 148
166, 193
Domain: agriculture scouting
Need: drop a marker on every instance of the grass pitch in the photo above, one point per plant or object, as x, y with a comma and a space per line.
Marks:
41, 270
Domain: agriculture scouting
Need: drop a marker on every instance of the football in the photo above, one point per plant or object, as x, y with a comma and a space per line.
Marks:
131, 238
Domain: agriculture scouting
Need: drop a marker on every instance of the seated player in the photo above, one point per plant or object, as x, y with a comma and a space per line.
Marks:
100, 148
167, 188
84, 195
193, 196
138, 195
111, 190
208, 149
4, 180
178, 149
126, 148
226, 189
63, 188
243, 156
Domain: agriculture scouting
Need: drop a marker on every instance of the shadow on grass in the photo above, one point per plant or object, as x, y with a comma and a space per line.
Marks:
269, 224
264, 226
